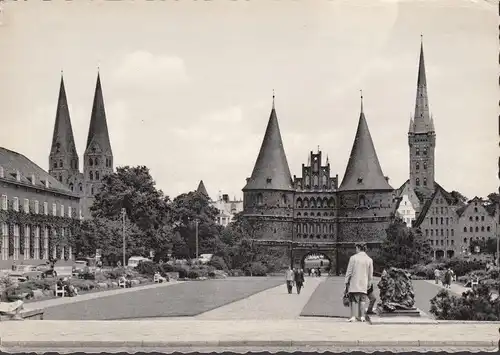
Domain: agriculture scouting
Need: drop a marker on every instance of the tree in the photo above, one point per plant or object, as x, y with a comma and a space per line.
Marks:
133, 189
494, 198
403, 247
107, 235
458, 196
186, 210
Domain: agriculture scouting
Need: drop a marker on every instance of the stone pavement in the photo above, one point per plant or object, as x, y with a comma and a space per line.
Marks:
454, 287
93, 295
319, 332
273, 303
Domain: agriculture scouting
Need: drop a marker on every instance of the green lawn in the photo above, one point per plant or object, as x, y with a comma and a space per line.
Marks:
186, 299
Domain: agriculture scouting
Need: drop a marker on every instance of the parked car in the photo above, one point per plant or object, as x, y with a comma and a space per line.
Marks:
79, 266
133, 261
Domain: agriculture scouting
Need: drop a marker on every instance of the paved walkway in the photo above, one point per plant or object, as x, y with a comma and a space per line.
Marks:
454, 287
274, 303
232, 333
94, 295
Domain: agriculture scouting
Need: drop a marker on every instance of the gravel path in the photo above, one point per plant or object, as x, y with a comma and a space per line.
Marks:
186, 299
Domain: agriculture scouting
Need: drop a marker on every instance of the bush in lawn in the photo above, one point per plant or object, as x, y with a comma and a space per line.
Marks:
115, 274
183, 272
258, 269
236, 272
476, 305
218, 263
101, 278
84, 285
147, 268
193, 274
462, 267
164, 268
87, 276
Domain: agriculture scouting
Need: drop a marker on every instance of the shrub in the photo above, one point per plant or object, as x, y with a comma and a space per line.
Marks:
218, 263
164, 268
183, 272
476, 304
236, 272
148, 268
115, 274
258, 269
193, 274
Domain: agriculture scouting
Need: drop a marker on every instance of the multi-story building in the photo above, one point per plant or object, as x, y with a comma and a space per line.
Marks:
64, 162
227, 208
39, 216
477, 220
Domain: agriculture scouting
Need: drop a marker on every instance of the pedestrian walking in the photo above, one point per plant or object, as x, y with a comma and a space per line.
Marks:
289, 276
358, 279
447, 278
299, 280
437, 275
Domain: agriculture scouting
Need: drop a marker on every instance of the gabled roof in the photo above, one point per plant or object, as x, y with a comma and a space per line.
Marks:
11, 162
201, 188
363, 170
98, 129
421, 120
446, 195
62, 137
271, 171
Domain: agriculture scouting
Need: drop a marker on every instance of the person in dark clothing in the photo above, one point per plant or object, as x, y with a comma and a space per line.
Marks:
319, 272
373, 299
299, 279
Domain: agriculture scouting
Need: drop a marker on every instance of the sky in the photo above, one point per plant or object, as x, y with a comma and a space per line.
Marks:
188, 84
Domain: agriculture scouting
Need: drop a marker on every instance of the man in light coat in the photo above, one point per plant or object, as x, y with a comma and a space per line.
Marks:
358, 279
289, 278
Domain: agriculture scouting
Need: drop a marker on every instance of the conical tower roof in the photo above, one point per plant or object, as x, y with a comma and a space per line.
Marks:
201, 188
271, 171
363, 170
421, 120
63, 131
98, 129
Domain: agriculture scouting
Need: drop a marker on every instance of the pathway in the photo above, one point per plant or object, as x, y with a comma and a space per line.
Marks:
280, 333
274, 303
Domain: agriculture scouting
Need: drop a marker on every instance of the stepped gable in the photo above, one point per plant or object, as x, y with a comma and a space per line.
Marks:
271, 171
363, 170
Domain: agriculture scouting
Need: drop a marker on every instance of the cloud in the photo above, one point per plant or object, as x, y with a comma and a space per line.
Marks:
144, 68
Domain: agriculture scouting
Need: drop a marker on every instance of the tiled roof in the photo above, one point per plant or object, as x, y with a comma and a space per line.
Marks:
446, 195
271, 170
11, 162
363, 170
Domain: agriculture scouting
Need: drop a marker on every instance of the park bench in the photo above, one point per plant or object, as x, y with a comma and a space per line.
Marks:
60, 290
122, 283
472, 282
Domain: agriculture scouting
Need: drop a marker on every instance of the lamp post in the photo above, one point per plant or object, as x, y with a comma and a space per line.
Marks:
196, 221
124, 213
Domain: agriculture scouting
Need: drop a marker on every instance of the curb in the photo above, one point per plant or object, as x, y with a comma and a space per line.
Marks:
246, 343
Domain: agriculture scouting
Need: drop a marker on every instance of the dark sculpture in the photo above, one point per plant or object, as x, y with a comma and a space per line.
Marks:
396, 291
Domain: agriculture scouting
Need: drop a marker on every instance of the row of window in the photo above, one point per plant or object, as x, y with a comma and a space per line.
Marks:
315, 203
449, 232
40, 243
417, 151
448, 220
325, 214
95, 162
417, 181
437, 210
314, 228
477, 238
35, 208
417, 165
308, 236
477, 217
438, 242
488, 229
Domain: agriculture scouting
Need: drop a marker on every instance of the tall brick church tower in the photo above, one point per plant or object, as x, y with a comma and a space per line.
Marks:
422, 137
98, 157
268, 194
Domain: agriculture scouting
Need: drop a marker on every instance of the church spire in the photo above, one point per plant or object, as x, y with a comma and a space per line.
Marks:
271, 171
363, 170
63, 140
98, 130
202, 189
421, 119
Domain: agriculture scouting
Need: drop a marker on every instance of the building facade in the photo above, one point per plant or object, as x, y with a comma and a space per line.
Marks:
64, 163
313, 209
39, 216
227, 209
